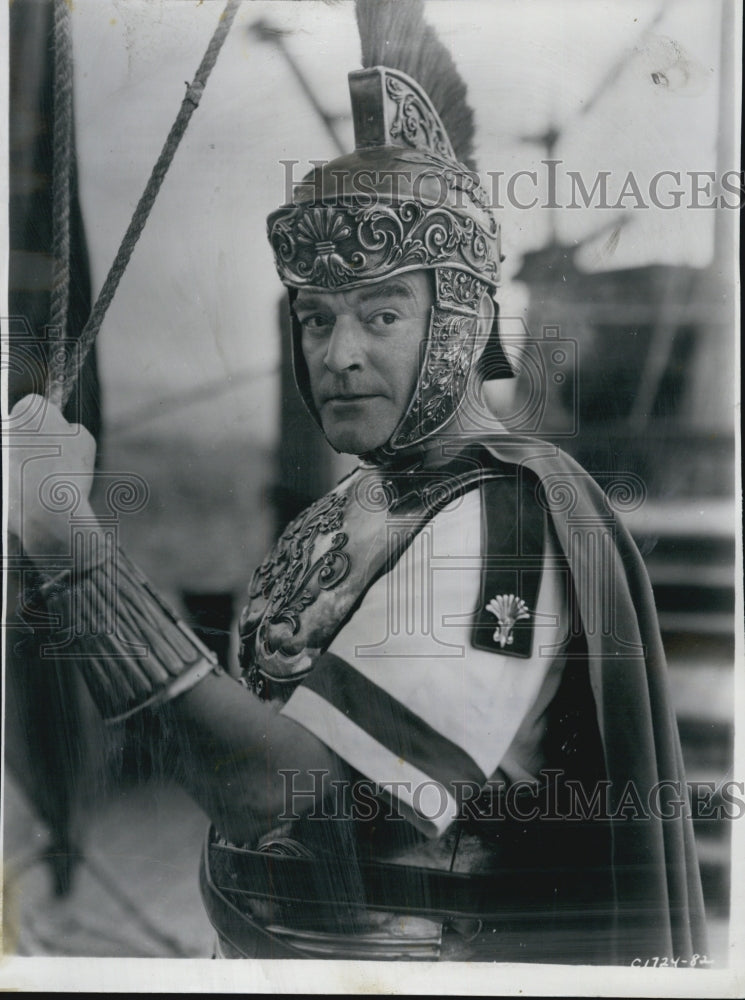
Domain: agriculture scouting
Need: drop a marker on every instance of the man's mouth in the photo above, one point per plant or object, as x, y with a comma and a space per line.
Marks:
350, 397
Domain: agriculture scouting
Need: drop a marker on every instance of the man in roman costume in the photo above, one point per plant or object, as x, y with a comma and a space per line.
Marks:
453, 715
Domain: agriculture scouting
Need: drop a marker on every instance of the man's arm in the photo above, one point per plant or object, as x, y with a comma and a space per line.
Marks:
235, 755
231, 746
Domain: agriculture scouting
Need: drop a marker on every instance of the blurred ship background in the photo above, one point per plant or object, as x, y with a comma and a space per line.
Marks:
622, 323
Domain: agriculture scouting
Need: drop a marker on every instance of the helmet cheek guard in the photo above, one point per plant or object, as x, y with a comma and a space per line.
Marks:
400, 202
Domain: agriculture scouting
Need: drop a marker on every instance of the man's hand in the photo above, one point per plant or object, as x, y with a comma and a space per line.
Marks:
247, 765
50, 472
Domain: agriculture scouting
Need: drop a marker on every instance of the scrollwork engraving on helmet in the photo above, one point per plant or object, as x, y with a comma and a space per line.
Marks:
332, 246
442, 379
414, 122
458, 290
321, 230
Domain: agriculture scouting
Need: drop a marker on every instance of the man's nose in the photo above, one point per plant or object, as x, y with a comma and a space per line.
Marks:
344, 350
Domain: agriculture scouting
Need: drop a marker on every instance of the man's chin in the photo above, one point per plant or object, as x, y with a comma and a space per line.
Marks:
352, 440
353, 445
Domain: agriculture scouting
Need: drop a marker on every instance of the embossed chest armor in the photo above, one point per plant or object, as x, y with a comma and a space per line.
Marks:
328, 557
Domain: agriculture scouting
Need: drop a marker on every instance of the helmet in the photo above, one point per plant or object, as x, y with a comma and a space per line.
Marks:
401, 201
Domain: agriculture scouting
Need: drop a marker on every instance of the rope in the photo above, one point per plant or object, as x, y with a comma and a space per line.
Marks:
61, 174
189, 104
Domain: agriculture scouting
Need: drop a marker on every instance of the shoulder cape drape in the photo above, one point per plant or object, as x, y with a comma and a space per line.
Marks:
658, 902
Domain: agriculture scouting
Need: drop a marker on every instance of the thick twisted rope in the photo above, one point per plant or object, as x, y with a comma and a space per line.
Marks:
145, 204
61, 175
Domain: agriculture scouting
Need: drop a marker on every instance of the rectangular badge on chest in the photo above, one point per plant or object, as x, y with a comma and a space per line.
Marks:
513, 525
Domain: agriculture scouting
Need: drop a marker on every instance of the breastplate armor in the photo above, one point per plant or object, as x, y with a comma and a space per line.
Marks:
328, 557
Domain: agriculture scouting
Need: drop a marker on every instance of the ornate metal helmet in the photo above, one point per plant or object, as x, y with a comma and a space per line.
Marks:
402, 201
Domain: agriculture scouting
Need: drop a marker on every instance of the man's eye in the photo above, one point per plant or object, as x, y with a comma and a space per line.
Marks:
315, 322
384, 318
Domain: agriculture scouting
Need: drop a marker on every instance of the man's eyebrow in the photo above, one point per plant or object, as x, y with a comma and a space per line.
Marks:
309, 301
390, 290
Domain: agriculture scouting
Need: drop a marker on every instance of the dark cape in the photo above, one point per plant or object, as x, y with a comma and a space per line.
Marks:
658, 901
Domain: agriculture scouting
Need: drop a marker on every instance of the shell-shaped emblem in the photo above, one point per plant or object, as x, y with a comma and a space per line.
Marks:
508, 610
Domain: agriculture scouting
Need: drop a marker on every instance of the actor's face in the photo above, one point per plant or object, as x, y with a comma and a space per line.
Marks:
362, 348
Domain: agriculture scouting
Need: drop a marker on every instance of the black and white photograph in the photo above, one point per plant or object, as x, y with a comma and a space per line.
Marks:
372, 549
